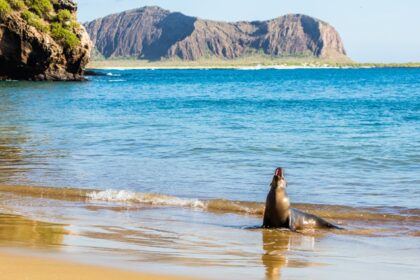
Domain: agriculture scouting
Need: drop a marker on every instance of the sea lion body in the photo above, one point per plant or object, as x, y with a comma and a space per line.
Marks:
301, 220
277, 207
279, 214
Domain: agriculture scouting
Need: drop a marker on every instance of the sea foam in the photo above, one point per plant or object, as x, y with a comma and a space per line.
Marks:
147, 198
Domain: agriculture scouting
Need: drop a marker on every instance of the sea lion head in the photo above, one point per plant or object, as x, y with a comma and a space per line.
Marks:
278, 179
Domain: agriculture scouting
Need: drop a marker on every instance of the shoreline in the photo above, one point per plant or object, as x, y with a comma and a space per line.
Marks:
126, 200
238, 65
44, 268
94, 66
104, 235
212, 68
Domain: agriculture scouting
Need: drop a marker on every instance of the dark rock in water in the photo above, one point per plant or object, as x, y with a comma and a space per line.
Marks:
33, 53
94, 73
153, 33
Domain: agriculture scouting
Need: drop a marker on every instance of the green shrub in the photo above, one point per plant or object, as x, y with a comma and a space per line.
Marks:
64, 15
41, 15
74, 25
35, 21
17, 4
42, 8
64, 36
4, 7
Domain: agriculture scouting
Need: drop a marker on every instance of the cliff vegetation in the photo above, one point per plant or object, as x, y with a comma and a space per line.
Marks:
42, 40
61, 23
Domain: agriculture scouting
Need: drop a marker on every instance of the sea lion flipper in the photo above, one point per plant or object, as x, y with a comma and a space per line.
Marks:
330, 225
300, 219
266, 221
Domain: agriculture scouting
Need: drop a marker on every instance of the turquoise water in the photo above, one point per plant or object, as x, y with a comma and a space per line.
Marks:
344, 136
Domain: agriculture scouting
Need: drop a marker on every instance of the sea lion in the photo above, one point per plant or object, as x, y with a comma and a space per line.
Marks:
278, 213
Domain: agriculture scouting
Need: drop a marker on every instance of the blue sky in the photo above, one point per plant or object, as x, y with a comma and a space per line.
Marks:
372, 30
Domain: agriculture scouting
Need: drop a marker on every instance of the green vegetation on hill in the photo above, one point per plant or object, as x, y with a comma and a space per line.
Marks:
4, 7
249, 59
60, 24
42, 8
17, 4
63, 34
63, 15
35, 21
255, 60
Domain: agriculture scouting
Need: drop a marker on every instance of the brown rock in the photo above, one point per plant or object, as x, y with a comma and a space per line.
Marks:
65, 4
29, 54
153, 33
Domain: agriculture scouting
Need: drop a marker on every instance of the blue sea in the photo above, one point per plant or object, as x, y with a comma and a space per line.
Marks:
344, 136
202, 146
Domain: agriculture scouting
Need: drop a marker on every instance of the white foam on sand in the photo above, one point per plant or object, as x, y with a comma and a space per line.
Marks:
147, 198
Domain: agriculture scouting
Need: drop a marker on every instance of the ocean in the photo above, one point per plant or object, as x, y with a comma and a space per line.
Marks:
171, 168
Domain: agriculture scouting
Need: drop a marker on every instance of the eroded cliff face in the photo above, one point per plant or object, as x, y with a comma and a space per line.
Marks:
144, 33
36, 46
153, 33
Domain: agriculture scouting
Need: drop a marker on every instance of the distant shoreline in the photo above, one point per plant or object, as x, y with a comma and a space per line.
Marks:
238, 65
213, 68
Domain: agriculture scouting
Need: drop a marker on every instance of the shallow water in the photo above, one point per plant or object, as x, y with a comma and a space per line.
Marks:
196, 242
348, 137
169, 170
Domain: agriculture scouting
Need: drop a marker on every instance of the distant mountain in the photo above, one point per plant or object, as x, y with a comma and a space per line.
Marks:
153, 33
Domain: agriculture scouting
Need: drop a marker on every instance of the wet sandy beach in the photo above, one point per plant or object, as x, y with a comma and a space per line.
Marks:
19, 266
185, 240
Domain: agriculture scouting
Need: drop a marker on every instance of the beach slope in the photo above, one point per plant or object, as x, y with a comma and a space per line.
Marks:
16, 267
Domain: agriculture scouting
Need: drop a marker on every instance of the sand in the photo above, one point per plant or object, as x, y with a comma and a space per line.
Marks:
56, 230
16, 267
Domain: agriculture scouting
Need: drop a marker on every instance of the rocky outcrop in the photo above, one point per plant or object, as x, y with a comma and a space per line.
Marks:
33, 48
153, 33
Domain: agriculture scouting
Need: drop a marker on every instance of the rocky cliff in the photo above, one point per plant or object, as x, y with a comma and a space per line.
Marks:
41, 40
153, 33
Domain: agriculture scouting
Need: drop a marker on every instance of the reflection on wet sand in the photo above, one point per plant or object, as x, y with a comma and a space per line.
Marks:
196, 242
276, 245
22, 147
21, 231
11, 139
10, 153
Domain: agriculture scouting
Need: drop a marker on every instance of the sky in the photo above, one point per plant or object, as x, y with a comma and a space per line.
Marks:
372, 30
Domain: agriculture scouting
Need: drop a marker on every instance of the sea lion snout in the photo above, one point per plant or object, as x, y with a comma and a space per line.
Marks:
279, 172
278, 179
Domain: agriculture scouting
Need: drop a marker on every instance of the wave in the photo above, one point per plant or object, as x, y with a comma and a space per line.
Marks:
146, 198
215, 205
110, 74
336, 213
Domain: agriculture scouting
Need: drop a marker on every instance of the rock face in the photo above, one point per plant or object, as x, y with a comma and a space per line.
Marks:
30, 53
153, 33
